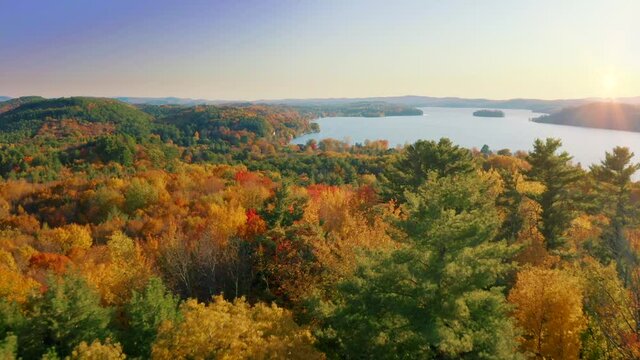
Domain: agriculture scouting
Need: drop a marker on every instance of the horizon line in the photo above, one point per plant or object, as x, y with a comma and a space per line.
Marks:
334, 98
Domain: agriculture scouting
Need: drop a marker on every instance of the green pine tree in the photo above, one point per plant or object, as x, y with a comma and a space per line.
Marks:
555, 172
144, 313
436, 297
614, 175
68, 313
409, 171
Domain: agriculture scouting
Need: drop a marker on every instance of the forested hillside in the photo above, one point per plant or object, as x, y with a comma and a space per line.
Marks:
605, 115
359, 108
177, 232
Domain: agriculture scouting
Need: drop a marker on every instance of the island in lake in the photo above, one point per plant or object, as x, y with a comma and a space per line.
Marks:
489, 113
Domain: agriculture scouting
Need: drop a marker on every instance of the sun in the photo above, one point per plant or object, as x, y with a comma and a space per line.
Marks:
609, 83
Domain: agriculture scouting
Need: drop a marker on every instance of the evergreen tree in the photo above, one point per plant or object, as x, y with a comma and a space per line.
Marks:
614, 175
118, 148
144, 313
284, 208
409, 171
67, 314
555, 172
437, 296
11, 318
510, 200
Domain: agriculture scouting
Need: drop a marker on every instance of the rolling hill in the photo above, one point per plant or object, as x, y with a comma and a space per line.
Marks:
11, 104
28, 117
168, 101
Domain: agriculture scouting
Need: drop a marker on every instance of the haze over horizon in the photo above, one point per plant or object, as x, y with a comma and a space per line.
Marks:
250, 50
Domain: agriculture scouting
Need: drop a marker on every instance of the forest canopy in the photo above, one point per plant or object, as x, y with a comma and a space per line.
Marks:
199, 232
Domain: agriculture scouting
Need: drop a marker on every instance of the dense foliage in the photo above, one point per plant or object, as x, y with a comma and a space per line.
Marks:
205, 234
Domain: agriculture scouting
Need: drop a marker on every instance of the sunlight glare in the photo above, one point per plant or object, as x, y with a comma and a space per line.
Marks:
609, 83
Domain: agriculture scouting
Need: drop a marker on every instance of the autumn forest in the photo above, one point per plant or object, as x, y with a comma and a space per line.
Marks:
200, 232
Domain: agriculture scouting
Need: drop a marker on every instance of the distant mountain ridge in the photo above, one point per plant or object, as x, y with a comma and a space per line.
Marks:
169, 101
4, 98
536, 105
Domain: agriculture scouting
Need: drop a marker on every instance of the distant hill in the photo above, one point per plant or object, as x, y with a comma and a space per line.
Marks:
543, 106
605, 115
425, 101
169, 101
359, 109
536, 105
229, 124
69, 116
4, 98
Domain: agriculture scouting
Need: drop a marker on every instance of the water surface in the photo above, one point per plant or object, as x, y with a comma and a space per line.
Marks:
515, 132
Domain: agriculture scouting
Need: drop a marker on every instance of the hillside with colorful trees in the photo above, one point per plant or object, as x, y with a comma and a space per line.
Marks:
176, 232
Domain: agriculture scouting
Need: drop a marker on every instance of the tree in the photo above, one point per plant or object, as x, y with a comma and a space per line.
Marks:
224, 330
549, 310
437, 297
140, 194
409, 171
283, 208
8, 347
144, 313
614, 174
117, 148
125, 271
556, 173
14, 286
97, 351
346, 230
514, 201
67, 314
613, 311
64, 239
11, 323
11, 318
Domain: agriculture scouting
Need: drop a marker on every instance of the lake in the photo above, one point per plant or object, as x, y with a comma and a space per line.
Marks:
514, 132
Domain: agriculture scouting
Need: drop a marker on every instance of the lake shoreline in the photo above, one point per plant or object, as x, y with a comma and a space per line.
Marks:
515, 131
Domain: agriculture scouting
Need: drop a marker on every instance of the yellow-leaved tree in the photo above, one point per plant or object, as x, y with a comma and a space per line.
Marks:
224, 330
347, 228
97, 351
63, 239
534, 251
549, 310
126, 269
14, 286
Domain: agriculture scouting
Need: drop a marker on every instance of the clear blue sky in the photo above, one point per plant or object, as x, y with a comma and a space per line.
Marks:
325, 48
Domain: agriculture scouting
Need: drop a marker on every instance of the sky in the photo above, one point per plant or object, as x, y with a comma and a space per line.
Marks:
268, 49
